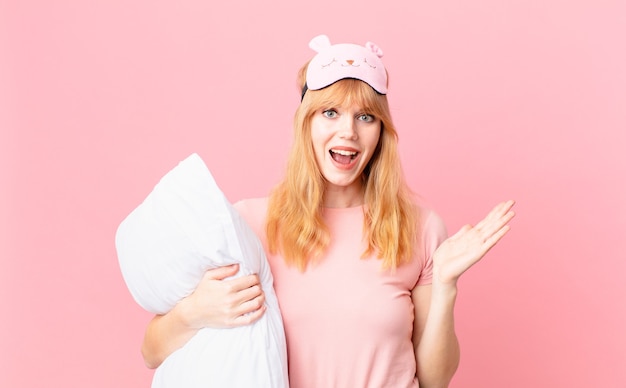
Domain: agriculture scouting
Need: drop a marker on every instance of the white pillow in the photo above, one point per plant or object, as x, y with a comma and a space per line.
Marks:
184, 227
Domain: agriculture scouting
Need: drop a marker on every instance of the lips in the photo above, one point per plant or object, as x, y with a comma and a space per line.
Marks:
343, 156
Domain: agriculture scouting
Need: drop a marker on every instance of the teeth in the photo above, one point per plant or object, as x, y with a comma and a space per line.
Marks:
345, 153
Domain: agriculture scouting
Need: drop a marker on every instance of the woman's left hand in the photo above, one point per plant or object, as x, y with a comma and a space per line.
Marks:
465, 248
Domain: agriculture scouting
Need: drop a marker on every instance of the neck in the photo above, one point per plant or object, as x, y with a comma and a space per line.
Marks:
343, 197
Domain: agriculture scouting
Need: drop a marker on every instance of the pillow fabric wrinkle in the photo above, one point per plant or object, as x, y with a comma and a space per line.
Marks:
184, 227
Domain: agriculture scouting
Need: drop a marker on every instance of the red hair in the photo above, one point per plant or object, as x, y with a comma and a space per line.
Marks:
295, 226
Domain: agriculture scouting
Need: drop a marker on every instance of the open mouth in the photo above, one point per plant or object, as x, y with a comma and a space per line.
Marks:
343, 156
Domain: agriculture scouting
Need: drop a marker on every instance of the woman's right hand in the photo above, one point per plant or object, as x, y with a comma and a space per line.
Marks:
215, 303
220, 303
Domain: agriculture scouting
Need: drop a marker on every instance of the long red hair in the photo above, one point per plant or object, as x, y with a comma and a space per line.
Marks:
295, 226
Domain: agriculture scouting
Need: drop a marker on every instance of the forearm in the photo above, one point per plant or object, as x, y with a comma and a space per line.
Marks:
438, 351
164, 335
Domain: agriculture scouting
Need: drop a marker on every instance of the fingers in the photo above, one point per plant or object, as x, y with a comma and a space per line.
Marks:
250, 305
242, 282
496, 213
500, 215
228, 302
221, 273
247, 299
253, 316
246, 307
493, 240
242, 295
496, 225
496, 219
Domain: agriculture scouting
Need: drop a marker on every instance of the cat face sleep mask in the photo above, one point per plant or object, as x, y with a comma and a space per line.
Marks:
335, 62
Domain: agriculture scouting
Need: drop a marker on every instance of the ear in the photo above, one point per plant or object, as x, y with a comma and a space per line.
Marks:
375, 49
319, 43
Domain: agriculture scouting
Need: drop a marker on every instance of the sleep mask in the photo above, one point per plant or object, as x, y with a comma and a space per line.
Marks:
345, 60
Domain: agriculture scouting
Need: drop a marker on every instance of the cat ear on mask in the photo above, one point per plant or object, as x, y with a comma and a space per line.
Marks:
319, 43
375, 49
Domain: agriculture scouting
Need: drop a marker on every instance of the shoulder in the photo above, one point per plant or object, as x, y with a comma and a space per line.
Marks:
432, 228
251, 205
254, 211
431, 233
431, 221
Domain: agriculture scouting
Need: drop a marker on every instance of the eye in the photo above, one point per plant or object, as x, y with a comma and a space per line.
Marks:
329, 63
365, 117
330, 113
372, 66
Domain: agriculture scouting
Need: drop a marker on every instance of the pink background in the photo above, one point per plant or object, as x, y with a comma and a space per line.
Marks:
494, 100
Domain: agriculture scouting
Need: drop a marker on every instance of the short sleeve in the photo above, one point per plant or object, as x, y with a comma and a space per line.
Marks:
254, 210
434, 232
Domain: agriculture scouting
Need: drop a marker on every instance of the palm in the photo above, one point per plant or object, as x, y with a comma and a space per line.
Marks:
465, 248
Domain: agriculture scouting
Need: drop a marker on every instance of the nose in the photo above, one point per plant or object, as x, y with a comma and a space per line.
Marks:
350, 61
348, 128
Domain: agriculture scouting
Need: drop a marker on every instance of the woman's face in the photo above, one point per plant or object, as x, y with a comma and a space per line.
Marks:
344, 139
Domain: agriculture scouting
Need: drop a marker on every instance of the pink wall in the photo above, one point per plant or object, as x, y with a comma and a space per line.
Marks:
522, 99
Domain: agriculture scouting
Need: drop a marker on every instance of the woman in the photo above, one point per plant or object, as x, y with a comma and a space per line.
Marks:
365, 278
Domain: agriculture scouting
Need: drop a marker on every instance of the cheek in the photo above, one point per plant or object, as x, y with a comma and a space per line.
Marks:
318, 138
318, 151
317, 141
372, 140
